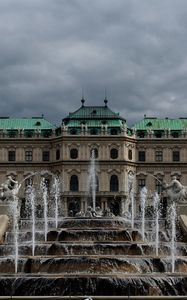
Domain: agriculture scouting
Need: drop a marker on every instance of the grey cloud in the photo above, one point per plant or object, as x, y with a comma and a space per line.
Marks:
135, 49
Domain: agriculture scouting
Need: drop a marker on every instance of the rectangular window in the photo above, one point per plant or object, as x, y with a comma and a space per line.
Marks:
141, 183
45, 155
176, 156
141, 155
28, 155
11, 155
159, 155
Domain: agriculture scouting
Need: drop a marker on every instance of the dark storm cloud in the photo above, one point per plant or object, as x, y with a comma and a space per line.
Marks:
50, 49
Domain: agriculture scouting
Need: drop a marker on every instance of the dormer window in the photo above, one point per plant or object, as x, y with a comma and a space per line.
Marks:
38, 123
104, 122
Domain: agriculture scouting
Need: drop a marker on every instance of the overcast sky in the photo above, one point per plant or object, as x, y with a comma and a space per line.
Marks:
51, 49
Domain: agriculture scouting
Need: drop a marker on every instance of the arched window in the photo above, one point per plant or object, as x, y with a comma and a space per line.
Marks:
57, 154
114, 184
73, 153
130, 154
114, 153
74, 183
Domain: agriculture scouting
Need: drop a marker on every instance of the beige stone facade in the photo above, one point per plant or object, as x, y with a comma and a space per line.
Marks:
152, 160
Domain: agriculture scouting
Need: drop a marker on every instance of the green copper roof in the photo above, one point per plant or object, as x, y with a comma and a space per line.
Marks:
161, 124
94, 116
92, 112
25, 123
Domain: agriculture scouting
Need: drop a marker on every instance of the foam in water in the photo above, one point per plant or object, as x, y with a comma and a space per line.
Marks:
156, 200
143, 198
92, 184
43, 188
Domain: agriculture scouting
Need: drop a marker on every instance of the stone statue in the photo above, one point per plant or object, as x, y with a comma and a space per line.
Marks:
175, 190
9, 189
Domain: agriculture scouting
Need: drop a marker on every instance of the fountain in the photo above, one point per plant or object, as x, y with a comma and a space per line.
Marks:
92, 180
143, 197
173, 234
157, 215
56, 192
31, 199
95, 255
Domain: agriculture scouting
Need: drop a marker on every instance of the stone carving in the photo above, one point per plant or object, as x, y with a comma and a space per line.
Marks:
98, 213
9, 189
175, 190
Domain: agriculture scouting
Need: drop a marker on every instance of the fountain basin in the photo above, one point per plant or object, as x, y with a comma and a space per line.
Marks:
93, 285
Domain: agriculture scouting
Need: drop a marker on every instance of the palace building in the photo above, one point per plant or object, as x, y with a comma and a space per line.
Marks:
152, 149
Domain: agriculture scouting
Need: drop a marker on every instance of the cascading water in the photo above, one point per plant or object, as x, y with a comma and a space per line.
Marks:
31, 199
16, 230
109, 256
92, 184
43, 189
143, 197
173, 217
131, 195
56, 191
156, 201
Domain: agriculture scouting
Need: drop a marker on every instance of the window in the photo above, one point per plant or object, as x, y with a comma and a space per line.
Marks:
141, 155
130, 154
175, 134
57, 154
113, 131
95, 151
93, 131
28, 133
176, 156
46, 133
114, 184
141, 133
114, 153
28, 155
45, 155
74, 183
12, 133
73, 131
12, 155
141, 183
158, 155
158, 133
158, 185
73, 153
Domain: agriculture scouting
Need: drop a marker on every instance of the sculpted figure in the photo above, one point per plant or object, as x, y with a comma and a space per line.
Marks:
9, 189
175, 190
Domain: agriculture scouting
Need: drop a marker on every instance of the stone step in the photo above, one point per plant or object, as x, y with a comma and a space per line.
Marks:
92, 264
94, 284
112, 248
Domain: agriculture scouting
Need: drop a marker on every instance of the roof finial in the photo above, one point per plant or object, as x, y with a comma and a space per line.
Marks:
82, 100
105, 100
